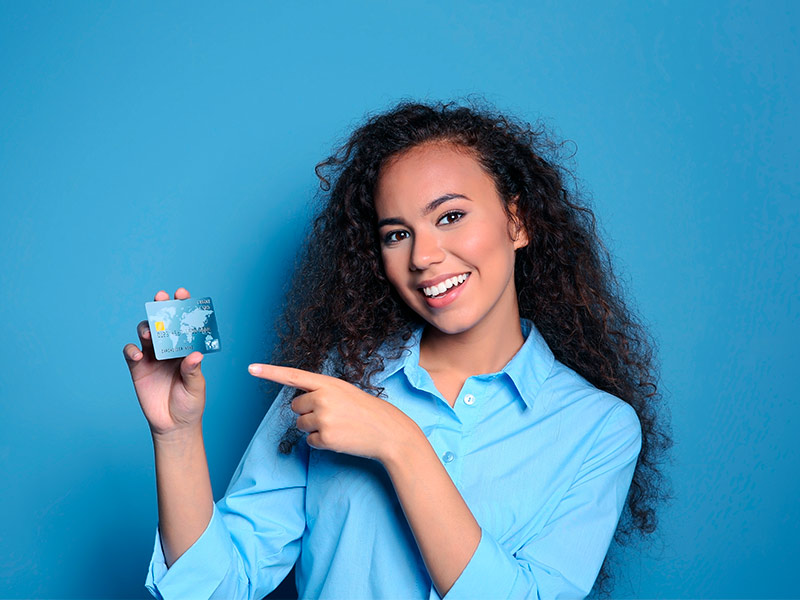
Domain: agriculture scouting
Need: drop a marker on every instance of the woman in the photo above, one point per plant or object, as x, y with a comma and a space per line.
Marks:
468, 402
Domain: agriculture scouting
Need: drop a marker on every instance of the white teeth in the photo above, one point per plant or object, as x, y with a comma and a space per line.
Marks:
442, 287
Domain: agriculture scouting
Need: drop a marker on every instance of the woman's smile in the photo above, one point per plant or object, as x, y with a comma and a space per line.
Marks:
438, 286
436, 297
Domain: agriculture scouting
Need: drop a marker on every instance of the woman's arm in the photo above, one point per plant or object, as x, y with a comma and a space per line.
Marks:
254, 533
443, 525
338, 416
185, 500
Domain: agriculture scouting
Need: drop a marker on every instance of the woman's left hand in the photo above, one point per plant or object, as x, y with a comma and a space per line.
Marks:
341, 417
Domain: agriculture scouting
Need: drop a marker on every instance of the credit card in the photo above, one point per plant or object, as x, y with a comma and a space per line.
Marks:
179, 327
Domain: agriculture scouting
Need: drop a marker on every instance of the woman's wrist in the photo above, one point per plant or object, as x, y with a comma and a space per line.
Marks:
178, 437
404, 441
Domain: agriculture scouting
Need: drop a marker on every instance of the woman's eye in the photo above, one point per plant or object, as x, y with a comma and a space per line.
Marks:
394, 236
451, 217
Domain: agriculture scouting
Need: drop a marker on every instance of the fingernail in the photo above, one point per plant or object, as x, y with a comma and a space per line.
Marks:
137, 356
254, 369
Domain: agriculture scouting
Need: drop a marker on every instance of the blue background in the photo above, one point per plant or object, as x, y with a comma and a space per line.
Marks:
150, 146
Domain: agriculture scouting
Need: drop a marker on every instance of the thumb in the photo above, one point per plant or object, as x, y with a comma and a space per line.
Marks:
190, 371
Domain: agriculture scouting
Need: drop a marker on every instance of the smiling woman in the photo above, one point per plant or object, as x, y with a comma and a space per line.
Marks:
468, 408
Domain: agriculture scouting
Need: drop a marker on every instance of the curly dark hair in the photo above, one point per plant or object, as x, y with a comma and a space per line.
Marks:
564, 278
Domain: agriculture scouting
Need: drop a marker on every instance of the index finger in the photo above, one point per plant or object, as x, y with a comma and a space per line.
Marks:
296, 378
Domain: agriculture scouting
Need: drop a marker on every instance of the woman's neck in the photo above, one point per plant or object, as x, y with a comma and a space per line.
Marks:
485, 348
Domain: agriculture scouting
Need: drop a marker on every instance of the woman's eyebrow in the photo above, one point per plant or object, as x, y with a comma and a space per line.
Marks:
433, 204
429, 208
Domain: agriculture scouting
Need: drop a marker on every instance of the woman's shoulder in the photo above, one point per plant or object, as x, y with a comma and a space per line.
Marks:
569, 393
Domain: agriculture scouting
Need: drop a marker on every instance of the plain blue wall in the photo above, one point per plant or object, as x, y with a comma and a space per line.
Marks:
149, 146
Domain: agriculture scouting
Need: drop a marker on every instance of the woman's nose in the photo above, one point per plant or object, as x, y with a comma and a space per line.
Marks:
425, 251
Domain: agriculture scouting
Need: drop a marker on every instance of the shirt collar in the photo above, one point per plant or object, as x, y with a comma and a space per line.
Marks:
528, 368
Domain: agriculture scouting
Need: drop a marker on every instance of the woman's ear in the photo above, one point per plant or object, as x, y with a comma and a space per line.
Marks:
517, 228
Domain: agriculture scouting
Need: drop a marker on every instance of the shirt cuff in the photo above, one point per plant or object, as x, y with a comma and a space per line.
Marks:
198, 572
490, 573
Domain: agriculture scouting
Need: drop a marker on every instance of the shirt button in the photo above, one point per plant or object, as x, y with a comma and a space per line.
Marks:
448, 457
469, 399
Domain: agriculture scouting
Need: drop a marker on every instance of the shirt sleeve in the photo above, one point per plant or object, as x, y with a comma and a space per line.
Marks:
563, 560
254, 535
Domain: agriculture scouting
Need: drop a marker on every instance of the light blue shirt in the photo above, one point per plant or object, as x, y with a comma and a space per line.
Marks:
543, 459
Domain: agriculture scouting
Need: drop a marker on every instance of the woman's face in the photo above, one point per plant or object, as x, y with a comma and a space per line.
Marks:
446, 240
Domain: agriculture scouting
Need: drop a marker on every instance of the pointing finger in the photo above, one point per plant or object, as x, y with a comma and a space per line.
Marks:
296, 378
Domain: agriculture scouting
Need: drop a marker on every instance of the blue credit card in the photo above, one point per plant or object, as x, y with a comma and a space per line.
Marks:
179, 327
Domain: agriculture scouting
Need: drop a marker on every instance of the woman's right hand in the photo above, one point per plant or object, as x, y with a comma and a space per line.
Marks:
172, 392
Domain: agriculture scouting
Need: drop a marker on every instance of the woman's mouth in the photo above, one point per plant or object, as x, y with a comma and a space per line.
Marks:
445, 292
436, 291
